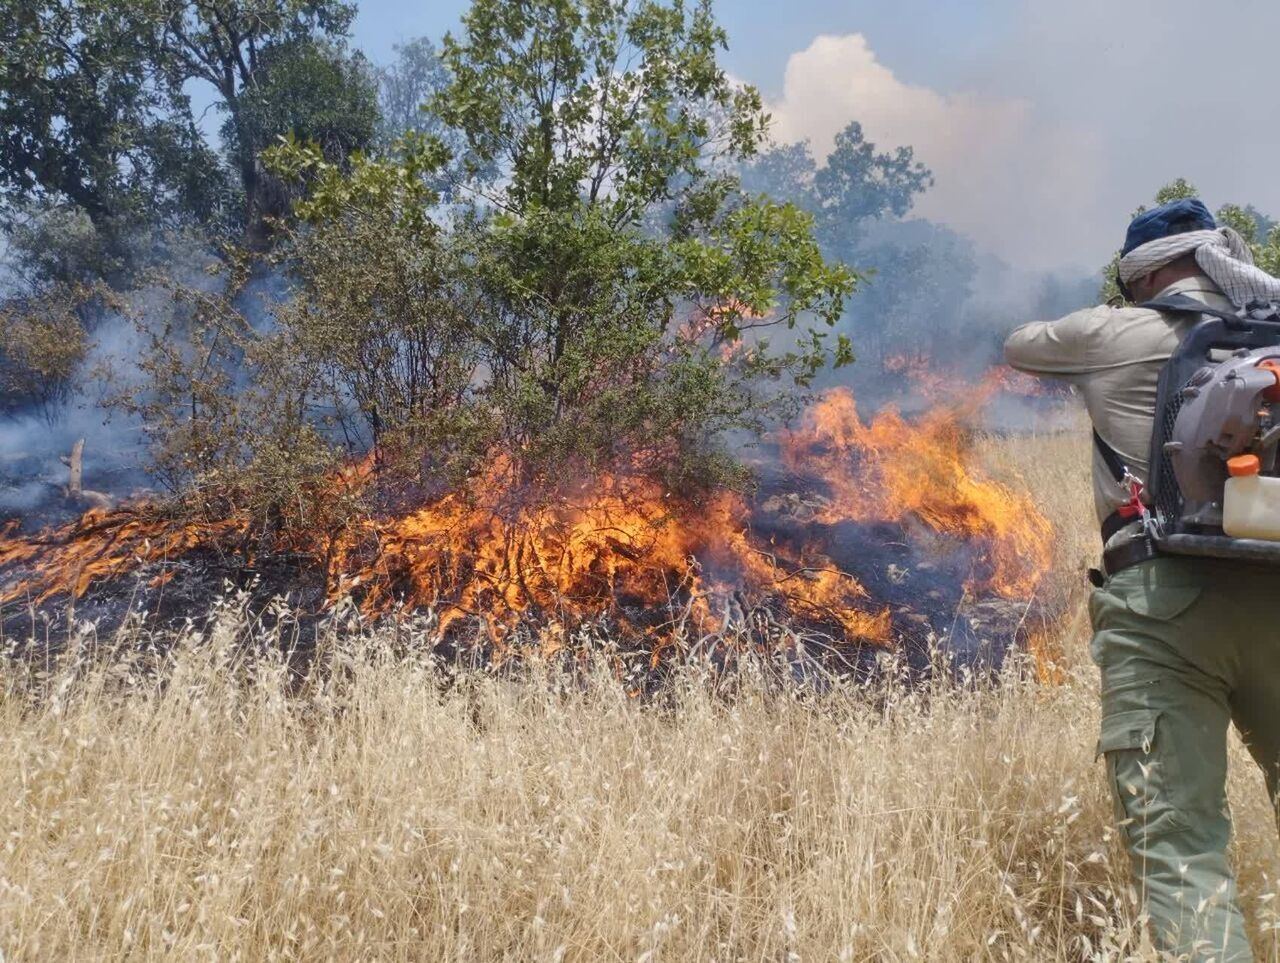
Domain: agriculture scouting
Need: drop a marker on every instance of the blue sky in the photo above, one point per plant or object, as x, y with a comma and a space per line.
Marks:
933, 41
1044, 122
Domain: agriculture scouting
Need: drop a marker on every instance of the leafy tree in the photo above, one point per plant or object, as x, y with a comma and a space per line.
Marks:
102, 163
313, 91
308, 90
918, 273
406, 86
607, 117
227, 43
592, 294
384, 320
857, 185
42, 341
784, 171
89, 118
407, 89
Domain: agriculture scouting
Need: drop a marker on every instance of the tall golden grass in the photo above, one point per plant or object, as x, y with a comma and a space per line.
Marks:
209, 806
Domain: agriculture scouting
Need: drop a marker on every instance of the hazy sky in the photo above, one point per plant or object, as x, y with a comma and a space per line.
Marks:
1045, 122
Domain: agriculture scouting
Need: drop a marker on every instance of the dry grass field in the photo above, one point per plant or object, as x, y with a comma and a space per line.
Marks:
217, 809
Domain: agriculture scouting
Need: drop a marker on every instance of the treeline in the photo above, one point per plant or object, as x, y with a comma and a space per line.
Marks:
547, 244
529, 247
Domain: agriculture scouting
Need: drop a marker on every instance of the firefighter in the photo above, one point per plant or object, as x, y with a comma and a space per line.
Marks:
1184, 645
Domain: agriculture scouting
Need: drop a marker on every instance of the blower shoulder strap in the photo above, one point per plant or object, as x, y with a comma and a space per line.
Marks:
1181, 304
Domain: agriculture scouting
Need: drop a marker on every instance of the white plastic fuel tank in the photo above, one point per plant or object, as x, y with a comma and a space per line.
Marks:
1251, 502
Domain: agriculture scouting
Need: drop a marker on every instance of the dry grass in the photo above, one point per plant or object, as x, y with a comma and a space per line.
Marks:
218, 809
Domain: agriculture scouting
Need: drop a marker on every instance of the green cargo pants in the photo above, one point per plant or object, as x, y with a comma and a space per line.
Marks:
1184, 647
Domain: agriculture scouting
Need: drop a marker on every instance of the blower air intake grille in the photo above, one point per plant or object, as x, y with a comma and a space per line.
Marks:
1166, 495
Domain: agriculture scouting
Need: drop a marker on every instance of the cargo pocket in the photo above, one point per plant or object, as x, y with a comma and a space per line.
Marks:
1143, 773
1162, 602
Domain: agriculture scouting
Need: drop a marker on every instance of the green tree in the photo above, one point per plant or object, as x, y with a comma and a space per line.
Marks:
313, 91
406, 86
384, 320
604, 281
226, 44
309, 90
857, 185
406, 90
89, 118
918, 273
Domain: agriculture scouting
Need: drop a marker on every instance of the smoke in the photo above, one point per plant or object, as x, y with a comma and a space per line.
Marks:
1005, 173
34, 441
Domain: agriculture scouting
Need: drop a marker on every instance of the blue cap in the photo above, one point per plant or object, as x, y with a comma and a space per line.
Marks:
1176, 217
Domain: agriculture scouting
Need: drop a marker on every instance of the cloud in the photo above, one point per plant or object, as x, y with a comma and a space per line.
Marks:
1024, 187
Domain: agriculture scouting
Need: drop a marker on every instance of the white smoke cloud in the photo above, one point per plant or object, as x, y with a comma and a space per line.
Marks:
1019, 184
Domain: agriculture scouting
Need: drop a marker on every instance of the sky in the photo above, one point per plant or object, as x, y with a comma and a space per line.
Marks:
1045, 123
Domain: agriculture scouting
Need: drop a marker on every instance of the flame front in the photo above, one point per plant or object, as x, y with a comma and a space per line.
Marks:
892, 470
618, 548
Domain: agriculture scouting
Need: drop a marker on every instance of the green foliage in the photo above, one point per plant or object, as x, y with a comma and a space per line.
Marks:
102, 162
1178, 190
919, 273
382, 327
231, 44
226, 443
856, 184
622, 98
91, 118
305, 89
414, 79
312, 91
52, 245
95, 111
42, 342
552, 267
603, 304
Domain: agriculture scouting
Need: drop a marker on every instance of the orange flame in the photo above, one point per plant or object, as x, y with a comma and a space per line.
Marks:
890, 470
616, 548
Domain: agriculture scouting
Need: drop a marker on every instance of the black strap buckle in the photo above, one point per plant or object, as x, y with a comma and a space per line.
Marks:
1130, 553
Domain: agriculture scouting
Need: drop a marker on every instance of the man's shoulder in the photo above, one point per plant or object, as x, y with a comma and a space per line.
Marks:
1107, 316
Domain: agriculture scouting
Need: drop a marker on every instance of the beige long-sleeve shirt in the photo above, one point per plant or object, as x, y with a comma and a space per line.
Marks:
1114, 357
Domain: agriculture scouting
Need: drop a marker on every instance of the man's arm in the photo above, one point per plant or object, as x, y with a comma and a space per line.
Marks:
1058, 348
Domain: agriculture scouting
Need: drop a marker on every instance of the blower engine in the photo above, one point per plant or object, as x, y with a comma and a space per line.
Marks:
1214, 483
1224, 444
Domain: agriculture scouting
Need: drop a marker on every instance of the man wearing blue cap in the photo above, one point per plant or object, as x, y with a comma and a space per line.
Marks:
1186, 646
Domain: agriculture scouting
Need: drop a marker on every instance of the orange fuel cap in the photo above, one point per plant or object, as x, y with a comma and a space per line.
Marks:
1243, 465
1271, 365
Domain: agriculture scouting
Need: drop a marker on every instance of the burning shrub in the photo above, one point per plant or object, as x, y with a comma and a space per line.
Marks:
875, 533
546, 316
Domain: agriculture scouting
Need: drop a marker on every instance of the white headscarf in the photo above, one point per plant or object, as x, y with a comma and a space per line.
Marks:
1222, 254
